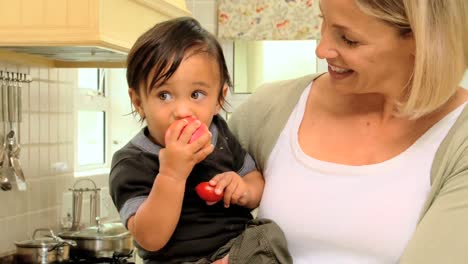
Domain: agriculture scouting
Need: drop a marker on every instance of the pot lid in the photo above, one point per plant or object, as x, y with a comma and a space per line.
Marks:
37, 243
107, 231
48, 241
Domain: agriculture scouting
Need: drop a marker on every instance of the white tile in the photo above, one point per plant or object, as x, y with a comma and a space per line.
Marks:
70, 127
12, 68
53, 128
24, 129
53, 97
39, 220
34, 96
69, 99
34, 128
62, 153
21, 202
7, 211
52, 196
62, 74
62, 94
62, 128
33, 195
34, 158
71, 157
34, 72
24, 159
25, 97
44, 73
44, 128
43, 203
53, 221
44, 97
53, 74
3, 233
10, 234
54, 158
44, 163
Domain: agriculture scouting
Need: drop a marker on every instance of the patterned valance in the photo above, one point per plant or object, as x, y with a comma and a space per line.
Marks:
268, 19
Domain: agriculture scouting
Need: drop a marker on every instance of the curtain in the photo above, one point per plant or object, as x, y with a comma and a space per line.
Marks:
268, 19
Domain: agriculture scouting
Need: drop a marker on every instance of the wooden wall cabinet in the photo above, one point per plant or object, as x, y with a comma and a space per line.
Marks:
79, 33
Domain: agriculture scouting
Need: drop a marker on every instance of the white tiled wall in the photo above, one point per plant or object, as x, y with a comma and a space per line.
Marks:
47, 134
46, 137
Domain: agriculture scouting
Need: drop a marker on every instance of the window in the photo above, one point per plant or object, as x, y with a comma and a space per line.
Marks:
91, 139
91, 115
258, 62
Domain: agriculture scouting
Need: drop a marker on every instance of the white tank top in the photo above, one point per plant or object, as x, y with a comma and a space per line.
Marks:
342, 214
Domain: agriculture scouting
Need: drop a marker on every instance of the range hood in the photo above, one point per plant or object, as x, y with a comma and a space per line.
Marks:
79, 33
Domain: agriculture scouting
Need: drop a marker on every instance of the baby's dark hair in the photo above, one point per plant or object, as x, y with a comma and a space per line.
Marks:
162, 48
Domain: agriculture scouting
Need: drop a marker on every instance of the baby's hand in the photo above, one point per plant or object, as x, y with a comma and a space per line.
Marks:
179, 156
236, 191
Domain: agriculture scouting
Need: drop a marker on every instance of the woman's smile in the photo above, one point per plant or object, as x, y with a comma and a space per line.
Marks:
338, 72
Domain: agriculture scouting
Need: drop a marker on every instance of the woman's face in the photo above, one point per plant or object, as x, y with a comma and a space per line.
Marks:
364, 54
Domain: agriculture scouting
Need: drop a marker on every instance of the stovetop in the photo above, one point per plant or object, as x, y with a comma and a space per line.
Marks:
84, 260
116, 259
99, 261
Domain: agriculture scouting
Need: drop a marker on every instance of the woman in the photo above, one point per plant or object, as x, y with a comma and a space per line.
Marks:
368, 163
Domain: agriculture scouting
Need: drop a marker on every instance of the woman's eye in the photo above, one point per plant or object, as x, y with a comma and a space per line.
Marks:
164, 96
349, 42
197, 95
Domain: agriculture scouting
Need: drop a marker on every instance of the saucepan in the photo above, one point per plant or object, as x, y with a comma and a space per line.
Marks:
43, 250
102, 241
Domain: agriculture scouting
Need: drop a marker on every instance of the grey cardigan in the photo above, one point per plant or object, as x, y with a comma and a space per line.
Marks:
441, 235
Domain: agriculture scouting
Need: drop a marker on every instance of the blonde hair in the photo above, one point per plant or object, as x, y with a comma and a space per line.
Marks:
440, 32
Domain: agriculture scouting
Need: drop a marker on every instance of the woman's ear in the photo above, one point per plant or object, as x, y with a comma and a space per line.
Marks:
224, 91
136, 102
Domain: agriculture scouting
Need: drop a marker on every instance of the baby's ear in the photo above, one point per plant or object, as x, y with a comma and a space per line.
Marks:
224, 91
136, 102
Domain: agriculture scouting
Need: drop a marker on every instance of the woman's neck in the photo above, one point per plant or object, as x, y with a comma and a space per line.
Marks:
378, 105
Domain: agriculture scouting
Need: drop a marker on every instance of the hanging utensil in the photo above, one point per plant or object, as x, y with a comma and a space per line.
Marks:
4, 181
13, 150
13, 147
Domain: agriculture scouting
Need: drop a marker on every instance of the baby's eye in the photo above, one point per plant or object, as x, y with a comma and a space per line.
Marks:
164, 96
198, 95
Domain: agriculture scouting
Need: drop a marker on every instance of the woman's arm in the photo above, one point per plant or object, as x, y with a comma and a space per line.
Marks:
442, 233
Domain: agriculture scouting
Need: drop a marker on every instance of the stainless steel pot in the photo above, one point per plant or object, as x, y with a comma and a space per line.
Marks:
50, 249
102, 241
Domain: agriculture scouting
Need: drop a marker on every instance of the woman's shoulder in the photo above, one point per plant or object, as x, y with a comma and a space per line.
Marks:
285, 86
455, 143
279, 93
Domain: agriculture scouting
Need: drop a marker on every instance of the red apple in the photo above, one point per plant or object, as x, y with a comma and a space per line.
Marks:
207, 192
200, 130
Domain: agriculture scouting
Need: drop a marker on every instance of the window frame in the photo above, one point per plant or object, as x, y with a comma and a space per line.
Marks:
92, 100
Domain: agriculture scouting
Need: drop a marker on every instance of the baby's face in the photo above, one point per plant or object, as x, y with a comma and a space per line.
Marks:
191, 91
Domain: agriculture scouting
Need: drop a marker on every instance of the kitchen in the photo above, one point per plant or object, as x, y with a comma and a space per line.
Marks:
47, 131
48, 135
